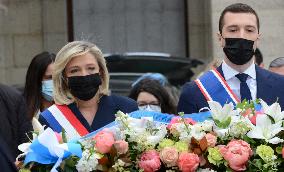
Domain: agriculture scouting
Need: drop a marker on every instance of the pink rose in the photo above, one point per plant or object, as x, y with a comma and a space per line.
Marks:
283, 152
150, 161
169, 156
104, 141
188, 162
59, 137
252, 118
211, 139
175, 120
237, 153
121, 146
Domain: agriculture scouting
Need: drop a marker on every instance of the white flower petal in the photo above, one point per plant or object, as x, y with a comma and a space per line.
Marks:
264, 105
276, 128
263, 121
215, 108
24, 147
256, 133
275, 140
228, 108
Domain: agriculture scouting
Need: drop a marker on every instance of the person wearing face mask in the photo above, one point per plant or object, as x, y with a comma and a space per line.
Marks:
237, 78
81, 92
152, 96
38, 91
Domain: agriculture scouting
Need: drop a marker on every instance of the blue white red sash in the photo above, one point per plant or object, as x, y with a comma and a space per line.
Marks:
60, 116
214, 87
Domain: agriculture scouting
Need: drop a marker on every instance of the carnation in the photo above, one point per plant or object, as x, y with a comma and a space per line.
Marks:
150, 161
237, 154
214, 156
265, 152
169, 156
104, 141
211, 139
121, 146
166, 143
188, 162
181, 146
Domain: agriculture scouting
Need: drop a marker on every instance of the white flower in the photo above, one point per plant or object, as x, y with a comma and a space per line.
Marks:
184, 134
197, 131
207, 125
205, 170
157, 137
88, 162
37, 126
240, 128
222, 113
221, 132
274, 111
264, 129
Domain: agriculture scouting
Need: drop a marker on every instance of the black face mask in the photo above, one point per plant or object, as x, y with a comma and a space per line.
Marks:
84, 87
238, 50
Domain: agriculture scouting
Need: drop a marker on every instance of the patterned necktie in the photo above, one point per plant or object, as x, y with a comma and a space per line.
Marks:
244, 89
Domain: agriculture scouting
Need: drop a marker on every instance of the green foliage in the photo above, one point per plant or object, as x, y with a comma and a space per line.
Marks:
223, 124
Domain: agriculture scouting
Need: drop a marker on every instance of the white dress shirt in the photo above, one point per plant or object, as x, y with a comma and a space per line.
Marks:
234, 82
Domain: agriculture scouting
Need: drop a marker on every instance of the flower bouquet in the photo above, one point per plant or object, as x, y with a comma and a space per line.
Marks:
240, 138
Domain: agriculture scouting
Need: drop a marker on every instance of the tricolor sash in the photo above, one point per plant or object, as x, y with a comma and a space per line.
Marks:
214, 88
60, 116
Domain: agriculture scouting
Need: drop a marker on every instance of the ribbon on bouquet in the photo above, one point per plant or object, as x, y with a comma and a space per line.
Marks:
166, 118
162, 118
47, 150
157, 117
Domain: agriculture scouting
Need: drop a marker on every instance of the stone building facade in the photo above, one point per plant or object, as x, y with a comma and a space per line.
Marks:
28, 27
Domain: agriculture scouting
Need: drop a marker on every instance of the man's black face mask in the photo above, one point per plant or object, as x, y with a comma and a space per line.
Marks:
238, 50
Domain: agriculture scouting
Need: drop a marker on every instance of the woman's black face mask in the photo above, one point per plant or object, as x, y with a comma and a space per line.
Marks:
238, 50
84, 87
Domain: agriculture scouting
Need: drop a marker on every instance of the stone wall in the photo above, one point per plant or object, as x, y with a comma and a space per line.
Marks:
28, 27
119, 26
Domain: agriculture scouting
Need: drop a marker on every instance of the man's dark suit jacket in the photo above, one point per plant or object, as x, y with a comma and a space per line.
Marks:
6, 160
14, 124
270, 88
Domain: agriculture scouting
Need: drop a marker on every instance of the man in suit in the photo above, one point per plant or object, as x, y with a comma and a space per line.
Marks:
15, 127
238, 36
6, 160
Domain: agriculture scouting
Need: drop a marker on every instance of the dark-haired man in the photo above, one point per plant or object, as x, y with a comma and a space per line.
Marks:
237, 78
277, 66
258, 58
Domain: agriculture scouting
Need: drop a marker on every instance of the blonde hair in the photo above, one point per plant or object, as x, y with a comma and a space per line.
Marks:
62, 95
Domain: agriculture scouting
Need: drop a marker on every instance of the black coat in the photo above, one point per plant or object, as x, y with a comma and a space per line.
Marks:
14, 123
6, 160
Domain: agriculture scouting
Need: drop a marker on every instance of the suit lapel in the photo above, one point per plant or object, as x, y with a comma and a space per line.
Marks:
263, 84
219, 69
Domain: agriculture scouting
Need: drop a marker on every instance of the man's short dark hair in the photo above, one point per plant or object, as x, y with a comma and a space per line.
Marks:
237, 8
279, 62
258, 56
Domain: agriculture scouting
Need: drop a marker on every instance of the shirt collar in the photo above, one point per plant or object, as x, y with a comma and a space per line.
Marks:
229, 72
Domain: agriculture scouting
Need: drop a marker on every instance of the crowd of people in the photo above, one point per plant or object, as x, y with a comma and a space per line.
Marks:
70, 90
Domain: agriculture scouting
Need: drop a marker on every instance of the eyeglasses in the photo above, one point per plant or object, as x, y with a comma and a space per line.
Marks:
149, 107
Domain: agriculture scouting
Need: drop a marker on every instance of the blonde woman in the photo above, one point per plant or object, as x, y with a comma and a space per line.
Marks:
81, 93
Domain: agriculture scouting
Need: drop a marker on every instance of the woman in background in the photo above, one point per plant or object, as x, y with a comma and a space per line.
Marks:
39, 87
152, 96
81, 92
